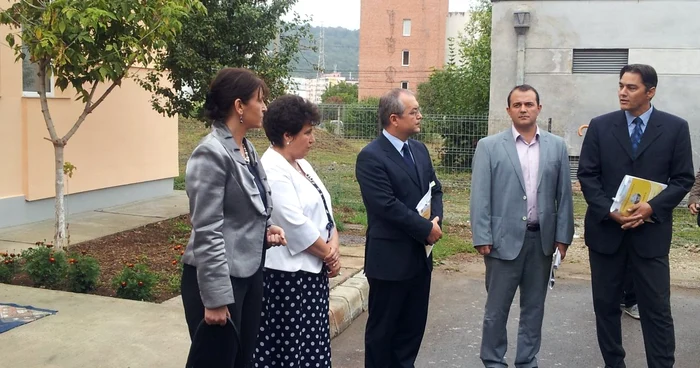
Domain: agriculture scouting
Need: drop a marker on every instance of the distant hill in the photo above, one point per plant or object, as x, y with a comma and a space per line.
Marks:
342, 49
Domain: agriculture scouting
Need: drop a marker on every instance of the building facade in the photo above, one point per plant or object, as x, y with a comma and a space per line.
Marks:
401, 42
124, 151
454, 32
572, 52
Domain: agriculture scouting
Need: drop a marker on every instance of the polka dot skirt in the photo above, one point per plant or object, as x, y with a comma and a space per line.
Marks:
294, 329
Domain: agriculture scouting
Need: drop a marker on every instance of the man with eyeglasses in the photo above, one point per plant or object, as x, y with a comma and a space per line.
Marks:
395, 173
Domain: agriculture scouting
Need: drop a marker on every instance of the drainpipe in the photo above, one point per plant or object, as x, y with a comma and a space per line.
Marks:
521, 23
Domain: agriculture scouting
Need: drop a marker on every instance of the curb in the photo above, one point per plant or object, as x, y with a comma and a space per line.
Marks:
347, 301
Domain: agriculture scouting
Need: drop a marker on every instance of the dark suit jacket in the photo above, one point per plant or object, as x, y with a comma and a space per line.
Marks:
396, 233
664, 155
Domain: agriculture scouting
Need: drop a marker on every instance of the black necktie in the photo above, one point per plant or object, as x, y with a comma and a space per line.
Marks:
407, 156
636, 136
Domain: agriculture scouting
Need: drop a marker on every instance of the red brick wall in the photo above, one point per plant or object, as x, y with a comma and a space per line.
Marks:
381, 64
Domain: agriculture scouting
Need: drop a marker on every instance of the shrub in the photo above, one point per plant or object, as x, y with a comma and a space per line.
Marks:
135, 282
9, 266
45, 266
83, 273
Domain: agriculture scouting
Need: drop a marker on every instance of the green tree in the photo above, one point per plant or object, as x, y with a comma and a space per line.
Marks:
87, 44
242, 33
462, 87
340, 93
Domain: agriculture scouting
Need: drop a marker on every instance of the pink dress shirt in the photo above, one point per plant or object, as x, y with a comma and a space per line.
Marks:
529, 156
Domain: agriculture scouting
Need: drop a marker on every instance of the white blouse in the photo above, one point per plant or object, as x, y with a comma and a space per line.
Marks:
297, 208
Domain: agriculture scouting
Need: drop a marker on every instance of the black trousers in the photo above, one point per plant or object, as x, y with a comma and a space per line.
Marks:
629, 298
398, 311
245, 312
651, 278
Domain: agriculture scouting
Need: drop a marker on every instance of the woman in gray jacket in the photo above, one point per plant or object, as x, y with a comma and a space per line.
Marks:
230, 207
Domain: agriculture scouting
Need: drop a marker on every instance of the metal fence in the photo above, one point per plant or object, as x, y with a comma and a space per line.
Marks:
451, 140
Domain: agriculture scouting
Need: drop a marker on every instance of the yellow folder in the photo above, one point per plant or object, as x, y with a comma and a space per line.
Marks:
633, 190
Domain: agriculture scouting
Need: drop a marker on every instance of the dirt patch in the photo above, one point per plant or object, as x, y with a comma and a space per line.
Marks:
684, 262
150, 244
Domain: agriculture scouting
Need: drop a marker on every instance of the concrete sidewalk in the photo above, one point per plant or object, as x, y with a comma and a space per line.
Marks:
95, 331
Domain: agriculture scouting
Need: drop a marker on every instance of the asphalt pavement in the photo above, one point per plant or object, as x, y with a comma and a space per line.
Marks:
453, 333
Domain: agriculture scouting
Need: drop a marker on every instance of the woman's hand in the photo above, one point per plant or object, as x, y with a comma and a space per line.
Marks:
333, 257
275, 236
216, 316
334, 271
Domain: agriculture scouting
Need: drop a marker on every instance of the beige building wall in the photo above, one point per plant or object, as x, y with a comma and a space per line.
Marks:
123, 144
382, 43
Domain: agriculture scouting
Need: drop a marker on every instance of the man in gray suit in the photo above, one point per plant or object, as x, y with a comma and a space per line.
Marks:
521, 210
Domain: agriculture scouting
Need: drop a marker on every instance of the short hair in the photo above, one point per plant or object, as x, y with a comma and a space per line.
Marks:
647, 72
229, 85
390, 103
288, 114
524, 88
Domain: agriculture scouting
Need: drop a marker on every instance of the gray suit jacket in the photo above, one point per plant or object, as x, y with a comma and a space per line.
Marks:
498, 201
228, 217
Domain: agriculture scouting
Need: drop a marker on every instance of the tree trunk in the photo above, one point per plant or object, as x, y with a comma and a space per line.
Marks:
60, 235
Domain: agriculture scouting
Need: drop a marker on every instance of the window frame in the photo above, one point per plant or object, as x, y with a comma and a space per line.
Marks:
403, 29
405, 58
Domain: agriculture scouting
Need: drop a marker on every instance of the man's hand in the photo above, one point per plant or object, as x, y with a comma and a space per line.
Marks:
275, 236
562, 249
694, 208
625, 221
484, 250
435, 233
642, 211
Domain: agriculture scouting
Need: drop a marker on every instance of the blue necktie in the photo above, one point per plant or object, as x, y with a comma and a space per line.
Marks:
636, 134
407, 156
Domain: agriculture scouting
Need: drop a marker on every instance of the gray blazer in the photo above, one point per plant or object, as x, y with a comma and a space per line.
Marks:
228, 217
498, 206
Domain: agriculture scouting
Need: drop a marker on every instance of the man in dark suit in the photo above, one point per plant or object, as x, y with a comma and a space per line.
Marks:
394, 173
644, 142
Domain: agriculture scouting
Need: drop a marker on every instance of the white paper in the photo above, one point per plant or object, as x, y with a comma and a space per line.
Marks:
423, 208
556, 261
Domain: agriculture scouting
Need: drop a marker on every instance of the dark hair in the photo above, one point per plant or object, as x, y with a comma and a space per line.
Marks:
524, 88
288, 114
390, 103
647, 72
229, 85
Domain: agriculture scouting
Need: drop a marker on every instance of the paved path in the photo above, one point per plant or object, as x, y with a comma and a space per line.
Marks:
453, 333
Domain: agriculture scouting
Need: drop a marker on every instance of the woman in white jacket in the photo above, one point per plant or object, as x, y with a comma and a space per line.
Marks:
294, 331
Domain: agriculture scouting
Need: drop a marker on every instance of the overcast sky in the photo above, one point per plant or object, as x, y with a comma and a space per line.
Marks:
346, 13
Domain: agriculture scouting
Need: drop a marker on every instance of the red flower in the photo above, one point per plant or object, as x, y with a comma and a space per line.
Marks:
182, 253
123, 283
174, 262
12, 255
130, 265
140, 283
52, 260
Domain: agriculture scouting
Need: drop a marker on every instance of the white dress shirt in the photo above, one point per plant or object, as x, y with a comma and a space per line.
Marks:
298, 209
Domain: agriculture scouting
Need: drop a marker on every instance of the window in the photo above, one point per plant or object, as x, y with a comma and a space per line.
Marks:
404, 84
599, 61
30, 79
406, 27
405, 58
